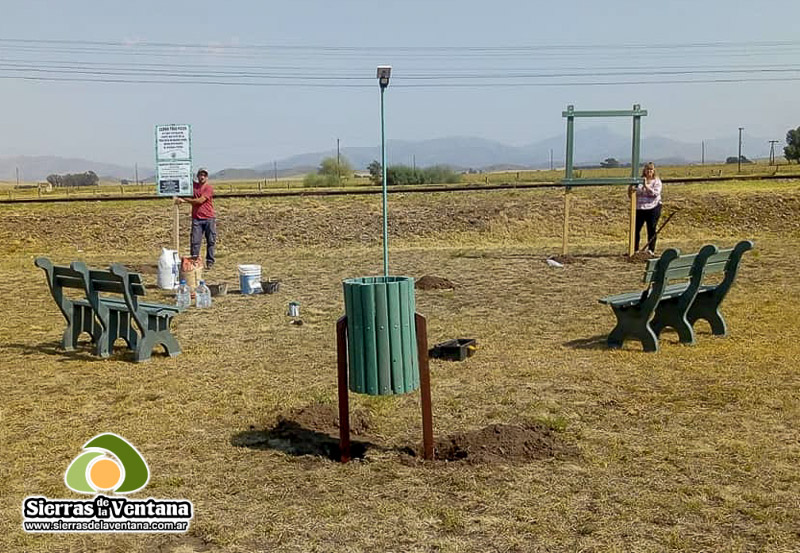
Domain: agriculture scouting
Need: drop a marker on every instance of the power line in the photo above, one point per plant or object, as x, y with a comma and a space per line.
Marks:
302, 84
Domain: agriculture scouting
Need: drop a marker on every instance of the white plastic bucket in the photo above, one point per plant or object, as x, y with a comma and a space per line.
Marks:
250, 279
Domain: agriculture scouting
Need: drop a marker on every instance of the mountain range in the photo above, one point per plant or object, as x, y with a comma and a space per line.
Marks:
592, 145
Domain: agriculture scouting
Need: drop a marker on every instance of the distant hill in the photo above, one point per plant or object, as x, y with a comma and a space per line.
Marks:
592, 145
36, 168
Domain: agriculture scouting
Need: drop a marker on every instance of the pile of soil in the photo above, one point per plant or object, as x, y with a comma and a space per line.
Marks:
501, 443
430, 282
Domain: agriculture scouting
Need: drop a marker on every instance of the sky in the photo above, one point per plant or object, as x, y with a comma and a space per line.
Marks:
260, 81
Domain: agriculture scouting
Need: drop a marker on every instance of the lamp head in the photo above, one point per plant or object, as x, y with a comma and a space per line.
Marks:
384, 72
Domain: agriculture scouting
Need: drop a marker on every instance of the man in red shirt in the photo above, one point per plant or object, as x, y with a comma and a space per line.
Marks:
204, 222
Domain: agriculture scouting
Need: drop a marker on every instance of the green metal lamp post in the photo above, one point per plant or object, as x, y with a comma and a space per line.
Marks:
384, 72
381, 341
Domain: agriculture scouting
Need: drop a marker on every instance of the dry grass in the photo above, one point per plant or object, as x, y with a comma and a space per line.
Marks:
690, 449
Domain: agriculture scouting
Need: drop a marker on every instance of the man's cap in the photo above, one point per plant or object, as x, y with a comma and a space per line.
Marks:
202, 170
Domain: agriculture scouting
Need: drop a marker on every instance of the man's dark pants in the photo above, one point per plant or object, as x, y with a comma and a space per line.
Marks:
207, 228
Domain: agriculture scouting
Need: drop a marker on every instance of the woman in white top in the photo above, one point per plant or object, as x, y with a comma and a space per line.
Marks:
648, 206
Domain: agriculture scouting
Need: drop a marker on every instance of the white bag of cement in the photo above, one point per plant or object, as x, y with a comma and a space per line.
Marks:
168, 265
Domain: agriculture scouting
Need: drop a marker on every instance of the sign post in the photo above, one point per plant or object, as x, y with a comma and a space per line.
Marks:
174, 166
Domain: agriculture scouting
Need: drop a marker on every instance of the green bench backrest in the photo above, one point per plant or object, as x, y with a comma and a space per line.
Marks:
102, 281
681, 268
105, 281
67, 278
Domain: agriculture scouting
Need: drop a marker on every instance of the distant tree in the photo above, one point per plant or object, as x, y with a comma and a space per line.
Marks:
440, 174
89, 178
313, 180
375, 171
609, 163
405, 175
734, 159
792, 149
330, 173
331, 167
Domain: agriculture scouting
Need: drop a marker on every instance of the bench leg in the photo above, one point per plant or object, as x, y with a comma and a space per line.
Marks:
171, 346
706, 307
670, 313
158, 333
631, 323
82, 321
144, 349
648, 338
70, 337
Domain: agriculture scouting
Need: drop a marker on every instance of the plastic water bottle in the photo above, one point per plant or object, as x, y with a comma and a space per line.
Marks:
183, 297
203, 295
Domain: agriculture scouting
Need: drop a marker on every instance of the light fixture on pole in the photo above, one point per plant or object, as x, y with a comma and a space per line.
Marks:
384, 72
739, 170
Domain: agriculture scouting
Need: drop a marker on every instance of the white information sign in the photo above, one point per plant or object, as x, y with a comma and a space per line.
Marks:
173, 142
174, 178
174, 160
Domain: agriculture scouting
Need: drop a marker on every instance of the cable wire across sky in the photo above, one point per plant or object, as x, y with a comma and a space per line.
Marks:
310, 66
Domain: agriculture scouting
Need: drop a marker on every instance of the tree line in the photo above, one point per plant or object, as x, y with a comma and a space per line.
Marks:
333, 171
89, 178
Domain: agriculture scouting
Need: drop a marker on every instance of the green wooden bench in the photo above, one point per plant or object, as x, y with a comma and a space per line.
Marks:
642, 315
141, 325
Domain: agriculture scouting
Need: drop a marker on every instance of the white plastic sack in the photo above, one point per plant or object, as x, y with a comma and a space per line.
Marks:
168, 265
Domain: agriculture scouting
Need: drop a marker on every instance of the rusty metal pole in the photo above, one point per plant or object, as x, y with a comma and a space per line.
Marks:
424, 386
344, 400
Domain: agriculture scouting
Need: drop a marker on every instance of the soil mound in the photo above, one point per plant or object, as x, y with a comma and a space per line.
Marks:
430, 282
499, 443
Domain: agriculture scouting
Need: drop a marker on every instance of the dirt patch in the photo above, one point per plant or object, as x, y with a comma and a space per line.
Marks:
639, 257
325, 418
143, 268
502, 443
430, 282
310, 430
564, 259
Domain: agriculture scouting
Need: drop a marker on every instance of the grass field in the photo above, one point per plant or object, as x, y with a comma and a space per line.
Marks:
694, 448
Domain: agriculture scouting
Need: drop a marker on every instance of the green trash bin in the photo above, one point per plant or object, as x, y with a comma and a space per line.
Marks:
381, 335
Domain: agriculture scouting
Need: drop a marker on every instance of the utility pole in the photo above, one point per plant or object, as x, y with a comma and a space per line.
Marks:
739, 170
551, 159
703, 152
275, 170
17, 176
338, 170
772, 151
414, 162
136, 173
